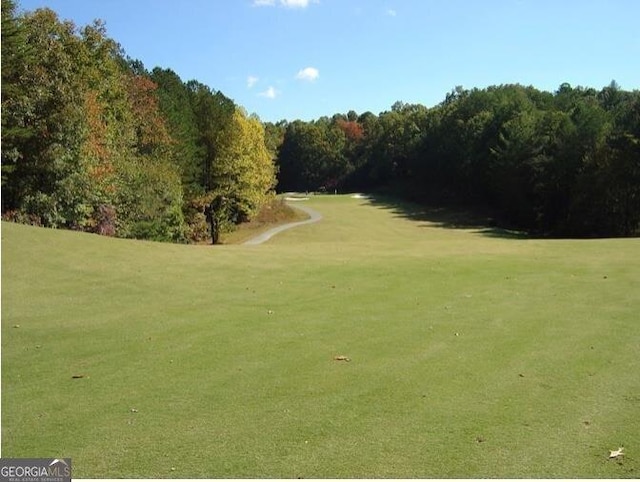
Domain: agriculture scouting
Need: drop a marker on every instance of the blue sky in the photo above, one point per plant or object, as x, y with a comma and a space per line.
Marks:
302, 59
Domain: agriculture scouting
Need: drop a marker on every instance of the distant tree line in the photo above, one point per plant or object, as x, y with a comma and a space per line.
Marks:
556, 164
92, 141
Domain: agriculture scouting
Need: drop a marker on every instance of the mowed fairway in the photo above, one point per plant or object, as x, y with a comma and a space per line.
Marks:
472, 355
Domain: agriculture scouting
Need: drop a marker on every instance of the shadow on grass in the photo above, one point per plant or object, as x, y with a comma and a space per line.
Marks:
482, 221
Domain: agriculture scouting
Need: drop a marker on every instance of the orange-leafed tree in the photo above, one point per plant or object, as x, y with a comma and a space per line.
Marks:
152, 136
353, 131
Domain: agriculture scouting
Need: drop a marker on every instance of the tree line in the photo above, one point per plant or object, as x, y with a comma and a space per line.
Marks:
565, 163
93, 141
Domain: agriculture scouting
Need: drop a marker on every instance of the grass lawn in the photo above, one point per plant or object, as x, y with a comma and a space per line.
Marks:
473, 353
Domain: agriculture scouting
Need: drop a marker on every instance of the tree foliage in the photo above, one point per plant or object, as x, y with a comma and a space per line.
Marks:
93, 141
561, 164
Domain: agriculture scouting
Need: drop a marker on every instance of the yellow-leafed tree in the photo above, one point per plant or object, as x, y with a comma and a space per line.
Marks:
244, 171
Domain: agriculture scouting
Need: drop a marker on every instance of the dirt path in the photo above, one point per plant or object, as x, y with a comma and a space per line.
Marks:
314, 216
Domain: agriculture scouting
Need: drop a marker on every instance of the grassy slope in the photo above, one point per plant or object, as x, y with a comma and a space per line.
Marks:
226, 352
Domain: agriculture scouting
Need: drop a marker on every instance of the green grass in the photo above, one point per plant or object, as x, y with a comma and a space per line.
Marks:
227, 352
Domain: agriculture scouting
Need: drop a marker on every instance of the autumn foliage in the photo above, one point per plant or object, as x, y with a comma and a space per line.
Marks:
353, 131
92, 142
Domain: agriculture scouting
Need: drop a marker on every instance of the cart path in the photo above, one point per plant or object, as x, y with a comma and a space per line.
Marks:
314, 217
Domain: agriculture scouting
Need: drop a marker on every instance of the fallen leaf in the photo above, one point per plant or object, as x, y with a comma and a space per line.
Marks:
341, 358
616, 453
134, 410
77, 376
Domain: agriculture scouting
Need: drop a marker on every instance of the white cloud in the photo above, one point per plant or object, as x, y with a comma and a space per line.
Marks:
251, 81
270, 93
391, 12
284, 3
308, 73
294, 3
